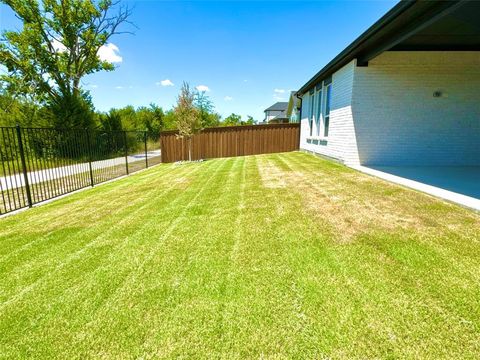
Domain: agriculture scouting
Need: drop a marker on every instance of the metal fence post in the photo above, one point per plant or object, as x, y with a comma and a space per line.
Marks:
145, 142
24, 166
89, 145
126, 150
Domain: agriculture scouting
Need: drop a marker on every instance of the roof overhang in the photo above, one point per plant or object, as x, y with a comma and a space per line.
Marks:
412, 26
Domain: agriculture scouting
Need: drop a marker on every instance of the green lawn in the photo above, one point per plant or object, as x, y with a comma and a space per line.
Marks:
279, 256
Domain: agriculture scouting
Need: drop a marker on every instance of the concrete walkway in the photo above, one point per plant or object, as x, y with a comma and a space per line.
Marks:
459, 184
17, 180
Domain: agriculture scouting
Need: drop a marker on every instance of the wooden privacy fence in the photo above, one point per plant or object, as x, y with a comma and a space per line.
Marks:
231, 141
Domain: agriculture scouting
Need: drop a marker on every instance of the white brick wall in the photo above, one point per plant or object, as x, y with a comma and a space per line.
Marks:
340, 143
385, 114
399, 122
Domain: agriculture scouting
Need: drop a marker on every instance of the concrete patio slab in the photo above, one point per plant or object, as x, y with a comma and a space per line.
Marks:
457, 184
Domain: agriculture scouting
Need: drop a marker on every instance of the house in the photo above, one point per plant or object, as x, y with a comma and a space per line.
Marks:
276, 114
293, 108
404, 97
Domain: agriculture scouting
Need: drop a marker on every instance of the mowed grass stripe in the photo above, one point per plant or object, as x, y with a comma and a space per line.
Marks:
121, 323
254, 257
74, 206
124, 290
197, 285
68, 233
129, 208
401, 280
444, 235
78, 271
70, 248
78, 245
343, 267
264, 276
122, 204
430, 237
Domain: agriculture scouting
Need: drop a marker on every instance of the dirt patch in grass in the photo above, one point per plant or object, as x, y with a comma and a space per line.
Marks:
272, 175
349, 214
354, 204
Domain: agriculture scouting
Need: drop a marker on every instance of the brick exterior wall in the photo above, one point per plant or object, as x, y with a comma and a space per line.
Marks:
340, 143
386, 113
398, 121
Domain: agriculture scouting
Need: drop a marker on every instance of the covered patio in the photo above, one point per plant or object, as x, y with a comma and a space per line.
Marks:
425, 116
459, 184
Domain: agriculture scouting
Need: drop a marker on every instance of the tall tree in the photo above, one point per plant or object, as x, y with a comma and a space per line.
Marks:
250, 121
57, 46
232, 120
206, 109
111, 121
169, 120
19, 110
151, 119
187, 116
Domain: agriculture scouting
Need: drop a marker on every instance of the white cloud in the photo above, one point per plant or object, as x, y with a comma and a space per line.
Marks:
94, 86
165, 82
228, 98
279, 91
109, 53
49, 79
203, 88
278, 98
245, 80
58, 46
119, 87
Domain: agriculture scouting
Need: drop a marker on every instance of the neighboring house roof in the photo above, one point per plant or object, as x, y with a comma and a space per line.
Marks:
278, 106
408, 26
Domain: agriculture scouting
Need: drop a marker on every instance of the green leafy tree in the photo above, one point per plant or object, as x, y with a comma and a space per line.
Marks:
250, 121
151, 119
57, 46
129, 118
236, 120
11, 110
111, 121
72, 111
19, 110
232, 120
169, 120
206, 109
187, 116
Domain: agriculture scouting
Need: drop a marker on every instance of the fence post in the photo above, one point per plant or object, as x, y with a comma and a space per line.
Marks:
126, 150
24, 166
145, 142
89, 145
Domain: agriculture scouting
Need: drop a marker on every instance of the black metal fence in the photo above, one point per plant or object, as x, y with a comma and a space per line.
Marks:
38, 164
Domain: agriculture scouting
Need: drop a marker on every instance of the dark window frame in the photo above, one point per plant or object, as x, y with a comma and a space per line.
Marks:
311, 111
328, 100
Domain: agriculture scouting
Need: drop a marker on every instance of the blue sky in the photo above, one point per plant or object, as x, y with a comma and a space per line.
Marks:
248, 54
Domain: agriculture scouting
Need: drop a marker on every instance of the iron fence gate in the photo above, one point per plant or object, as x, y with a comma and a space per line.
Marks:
38, 164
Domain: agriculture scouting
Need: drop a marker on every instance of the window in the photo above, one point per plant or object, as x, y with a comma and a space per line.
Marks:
310, 114
319, 109
326, 118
